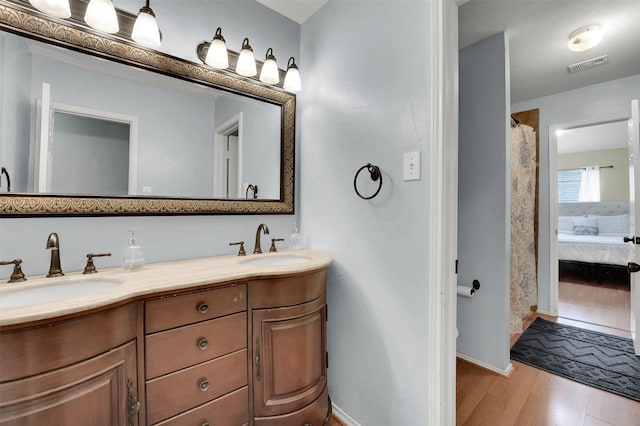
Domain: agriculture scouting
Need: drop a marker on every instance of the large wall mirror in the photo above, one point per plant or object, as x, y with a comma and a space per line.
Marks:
140, 133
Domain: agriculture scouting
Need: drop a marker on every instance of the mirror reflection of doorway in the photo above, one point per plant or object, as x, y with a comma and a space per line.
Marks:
227, 159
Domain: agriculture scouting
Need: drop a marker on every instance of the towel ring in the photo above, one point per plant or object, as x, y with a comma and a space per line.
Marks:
374, 172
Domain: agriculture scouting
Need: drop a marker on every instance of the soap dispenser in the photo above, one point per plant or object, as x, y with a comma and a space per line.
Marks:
295, 239
133, 257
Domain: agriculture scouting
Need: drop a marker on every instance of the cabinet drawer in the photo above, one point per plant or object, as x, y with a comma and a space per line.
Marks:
229, 410
194, 343
175, 311
177, 392
279, 292
315, 414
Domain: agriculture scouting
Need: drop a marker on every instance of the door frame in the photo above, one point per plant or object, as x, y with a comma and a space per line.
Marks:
443, 213
220, 133
553, 198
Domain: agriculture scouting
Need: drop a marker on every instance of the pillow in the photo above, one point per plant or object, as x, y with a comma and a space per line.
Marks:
585, 226
565, 224
613, 224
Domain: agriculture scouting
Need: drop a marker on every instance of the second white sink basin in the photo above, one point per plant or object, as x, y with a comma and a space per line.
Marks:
283, 260
53, 293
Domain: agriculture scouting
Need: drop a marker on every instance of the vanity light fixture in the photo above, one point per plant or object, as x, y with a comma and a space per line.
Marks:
246, 61
584, 38
57, 8
292, 81
269, 73
145, 30
101, 15
217, 55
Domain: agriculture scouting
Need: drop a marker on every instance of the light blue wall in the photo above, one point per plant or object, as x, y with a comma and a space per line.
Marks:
484, 201
365, 99
184, 24
592, 102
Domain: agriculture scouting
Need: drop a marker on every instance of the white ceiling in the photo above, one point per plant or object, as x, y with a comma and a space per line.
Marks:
296, 10
538, 32
594, 138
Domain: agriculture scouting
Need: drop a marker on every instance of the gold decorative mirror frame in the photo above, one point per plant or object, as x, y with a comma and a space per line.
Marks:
25, 21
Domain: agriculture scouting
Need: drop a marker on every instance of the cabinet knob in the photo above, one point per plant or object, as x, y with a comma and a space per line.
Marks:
204, 385
203, 308
203, 344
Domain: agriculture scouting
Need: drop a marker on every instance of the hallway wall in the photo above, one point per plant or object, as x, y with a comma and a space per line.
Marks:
484, 202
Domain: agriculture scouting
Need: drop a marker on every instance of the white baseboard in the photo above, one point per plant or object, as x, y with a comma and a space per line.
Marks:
486, 366
343, 416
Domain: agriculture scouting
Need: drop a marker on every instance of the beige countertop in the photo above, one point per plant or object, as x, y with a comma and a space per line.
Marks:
152, 278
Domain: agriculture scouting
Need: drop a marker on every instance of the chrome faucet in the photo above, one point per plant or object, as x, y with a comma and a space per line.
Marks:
53, 244
265, 229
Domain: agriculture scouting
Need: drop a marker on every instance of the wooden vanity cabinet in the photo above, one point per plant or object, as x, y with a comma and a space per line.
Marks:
81, 371
289, 365
196, 358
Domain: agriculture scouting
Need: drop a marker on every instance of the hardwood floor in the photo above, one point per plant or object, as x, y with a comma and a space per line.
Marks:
533, 397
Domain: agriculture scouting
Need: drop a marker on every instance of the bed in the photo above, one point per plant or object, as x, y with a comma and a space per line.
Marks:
591, 235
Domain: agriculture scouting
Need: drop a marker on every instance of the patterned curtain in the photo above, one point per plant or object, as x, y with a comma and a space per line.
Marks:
524, 283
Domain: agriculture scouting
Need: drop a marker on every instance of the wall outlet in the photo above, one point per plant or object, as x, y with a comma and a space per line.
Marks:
146, 189
412, 165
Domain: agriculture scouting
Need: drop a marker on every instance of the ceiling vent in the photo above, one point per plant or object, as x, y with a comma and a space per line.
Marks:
589, 63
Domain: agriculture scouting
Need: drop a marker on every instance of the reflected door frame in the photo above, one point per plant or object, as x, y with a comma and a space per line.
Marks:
46, 109
220, 157
553, 198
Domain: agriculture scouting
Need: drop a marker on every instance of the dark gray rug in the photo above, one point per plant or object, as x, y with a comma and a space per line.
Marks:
596, 359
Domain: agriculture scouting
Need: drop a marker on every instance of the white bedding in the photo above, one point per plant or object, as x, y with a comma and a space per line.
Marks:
607, 249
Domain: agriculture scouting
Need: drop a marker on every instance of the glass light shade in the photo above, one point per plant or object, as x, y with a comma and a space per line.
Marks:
145, 30
217, 55
246, 65
292, 82
584, 38
57, 8
269, 73
101, 15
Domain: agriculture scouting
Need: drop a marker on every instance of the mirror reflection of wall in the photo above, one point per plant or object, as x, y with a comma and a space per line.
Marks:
598, 150
177, 119
92, 156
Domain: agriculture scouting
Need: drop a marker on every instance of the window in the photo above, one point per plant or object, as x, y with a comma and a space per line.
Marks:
569, 185
579, 185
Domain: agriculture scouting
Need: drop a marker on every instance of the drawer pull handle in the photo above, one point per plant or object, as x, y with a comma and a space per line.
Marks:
204, 385
203, 344
206, 424
203, 308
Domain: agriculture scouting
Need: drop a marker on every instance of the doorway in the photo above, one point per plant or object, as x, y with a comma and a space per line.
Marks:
589, 176
227, 159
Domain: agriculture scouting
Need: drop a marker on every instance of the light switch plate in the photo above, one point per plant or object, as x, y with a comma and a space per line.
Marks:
412, 165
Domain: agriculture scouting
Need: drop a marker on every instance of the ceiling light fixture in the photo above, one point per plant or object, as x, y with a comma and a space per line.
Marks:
246, 61
292, 81
101, 15
584, 38
57, 8
269, 73
217, 55
145, 30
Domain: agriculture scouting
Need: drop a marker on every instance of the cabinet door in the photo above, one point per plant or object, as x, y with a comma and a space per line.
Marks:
289, 357
93, 392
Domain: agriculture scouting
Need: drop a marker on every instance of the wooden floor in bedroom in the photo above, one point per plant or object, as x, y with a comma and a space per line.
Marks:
533, 397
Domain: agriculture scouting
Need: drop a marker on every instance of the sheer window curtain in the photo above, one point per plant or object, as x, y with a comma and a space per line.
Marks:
590, 184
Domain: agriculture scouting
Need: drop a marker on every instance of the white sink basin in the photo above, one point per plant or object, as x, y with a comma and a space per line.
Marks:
283, 260
53, 293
